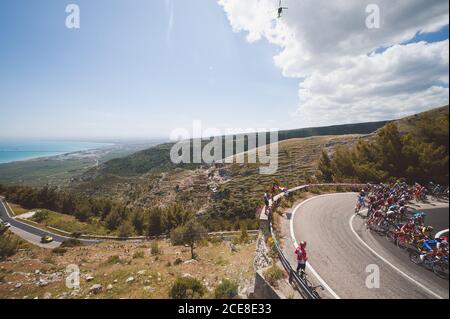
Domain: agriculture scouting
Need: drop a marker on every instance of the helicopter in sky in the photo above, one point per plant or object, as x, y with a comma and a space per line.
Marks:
280, 9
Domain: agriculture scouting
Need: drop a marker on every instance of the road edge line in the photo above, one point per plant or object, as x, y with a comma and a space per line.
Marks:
439, 234
308, 265
389, 263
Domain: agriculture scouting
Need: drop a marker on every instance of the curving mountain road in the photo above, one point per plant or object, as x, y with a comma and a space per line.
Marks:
340, 249
33, 234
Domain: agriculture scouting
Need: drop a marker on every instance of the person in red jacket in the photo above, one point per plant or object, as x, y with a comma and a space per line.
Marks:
302, 257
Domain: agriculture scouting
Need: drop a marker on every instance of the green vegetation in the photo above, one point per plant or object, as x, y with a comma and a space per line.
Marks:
8, 245
59, 251
69, 223
187, 288
273, 275
157, 158
227, 289
138, 254
112, 260
59, 170
126, 229
155, 249
418, 156
178, 261
40, 216
70, 243
189, 233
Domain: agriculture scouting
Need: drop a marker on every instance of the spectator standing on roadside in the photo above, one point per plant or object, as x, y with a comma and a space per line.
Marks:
302, 258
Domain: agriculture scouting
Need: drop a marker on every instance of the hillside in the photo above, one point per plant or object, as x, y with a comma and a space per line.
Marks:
123, 270
409, 124
148, 178
414, 149
225, 195
59, 170
157, 159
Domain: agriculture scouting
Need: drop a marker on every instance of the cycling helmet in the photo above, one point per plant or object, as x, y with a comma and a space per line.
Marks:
303, 244
428, 229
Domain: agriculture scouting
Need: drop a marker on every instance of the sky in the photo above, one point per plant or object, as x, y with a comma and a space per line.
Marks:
141, 68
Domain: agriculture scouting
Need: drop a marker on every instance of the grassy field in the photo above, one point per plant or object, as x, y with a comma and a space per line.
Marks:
64, 222
112, 263
17, 209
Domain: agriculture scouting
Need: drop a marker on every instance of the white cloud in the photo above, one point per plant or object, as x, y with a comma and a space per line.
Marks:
327, 45
170, 9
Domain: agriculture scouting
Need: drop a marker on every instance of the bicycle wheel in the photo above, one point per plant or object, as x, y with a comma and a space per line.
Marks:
440, 268
414, 256
391, 237
402, 244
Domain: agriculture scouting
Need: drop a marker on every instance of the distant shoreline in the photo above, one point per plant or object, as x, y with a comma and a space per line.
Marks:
50, 154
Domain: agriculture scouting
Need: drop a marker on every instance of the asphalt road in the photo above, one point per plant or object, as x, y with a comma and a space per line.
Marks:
33, 234
341, 248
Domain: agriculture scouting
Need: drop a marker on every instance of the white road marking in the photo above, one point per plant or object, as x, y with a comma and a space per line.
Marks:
442, 232
390, 264
308, 265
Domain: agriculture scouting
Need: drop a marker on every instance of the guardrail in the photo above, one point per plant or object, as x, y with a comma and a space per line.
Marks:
304, 288
294, 278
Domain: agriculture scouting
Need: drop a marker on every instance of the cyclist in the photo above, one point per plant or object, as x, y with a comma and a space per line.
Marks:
426, 231
407, 228
402, 212
430, 247
361, 202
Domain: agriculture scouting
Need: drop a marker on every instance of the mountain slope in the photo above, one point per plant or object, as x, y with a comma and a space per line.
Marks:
157, 159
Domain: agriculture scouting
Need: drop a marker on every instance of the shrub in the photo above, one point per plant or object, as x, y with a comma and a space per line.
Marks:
226, 290
8, 246
138, 254
76, 234
214, 240
273, 274
273, 253
244, 237
40, 216
114, 260
187, 288
125, 229
59, 251
178, 261
155, 249
71, 243
188, 234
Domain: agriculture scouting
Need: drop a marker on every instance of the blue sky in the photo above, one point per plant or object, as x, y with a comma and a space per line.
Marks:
121, 74
127, 74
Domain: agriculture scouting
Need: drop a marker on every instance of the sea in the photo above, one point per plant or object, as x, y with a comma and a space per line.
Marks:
20, 150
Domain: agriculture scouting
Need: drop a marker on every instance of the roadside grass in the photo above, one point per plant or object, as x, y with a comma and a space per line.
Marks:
17, 209
63, 222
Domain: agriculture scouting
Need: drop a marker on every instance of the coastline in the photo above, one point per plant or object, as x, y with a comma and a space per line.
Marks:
55, 155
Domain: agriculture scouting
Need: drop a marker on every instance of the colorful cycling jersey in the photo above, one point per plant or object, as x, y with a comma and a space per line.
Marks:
407, 227
430, 244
